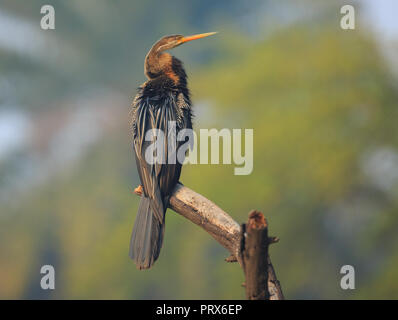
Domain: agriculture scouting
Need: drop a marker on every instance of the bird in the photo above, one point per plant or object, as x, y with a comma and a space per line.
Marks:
160, 101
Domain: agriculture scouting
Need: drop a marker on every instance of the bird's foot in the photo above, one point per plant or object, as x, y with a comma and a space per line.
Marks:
138, 190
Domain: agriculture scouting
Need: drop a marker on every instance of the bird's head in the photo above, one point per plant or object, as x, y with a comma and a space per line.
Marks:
170, 42
157, 61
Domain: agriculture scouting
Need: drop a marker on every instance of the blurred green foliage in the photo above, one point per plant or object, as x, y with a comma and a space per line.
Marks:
319, 99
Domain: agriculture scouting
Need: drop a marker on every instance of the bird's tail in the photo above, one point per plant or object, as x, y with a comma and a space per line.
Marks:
147, 237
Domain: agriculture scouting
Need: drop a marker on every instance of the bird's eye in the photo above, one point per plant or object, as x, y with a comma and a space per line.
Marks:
178, 39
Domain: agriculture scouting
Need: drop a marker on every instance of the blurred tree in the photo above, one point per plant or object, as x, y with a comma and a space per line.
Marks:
324, 114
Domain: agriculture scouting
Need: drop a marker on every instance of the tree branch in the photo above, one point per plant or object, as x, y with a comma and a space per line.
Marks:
254, 254
219, 225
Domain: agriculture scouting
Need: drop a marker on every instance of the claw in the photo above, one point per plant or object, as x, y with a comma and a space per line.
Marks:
138, 190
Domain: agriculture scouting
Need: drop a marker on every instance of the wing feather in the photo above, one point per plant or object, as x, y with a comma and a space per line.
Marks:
158, 179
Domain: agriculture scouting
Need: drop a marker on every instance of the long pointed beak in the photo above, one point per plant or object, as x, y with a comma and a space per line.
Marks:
197, 36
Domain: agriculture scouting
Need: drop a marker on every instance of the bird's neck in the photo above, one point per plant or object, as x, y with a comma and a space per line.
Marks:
164, 64
153, 67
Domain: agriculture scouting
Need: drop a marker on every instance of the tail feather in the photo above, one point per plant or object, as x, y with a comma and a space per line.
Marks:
147, 237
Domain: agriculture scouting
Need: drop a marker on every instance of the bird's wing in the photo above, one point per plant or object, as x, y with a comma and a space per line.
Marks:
158, 179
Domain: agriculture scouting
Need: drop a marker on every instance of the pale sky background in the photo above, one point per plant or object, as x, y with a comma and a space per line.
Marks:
383, 16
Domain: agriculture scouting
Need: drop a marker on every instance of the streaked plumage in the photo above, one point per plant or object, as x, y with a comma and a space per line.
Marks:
163, 98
